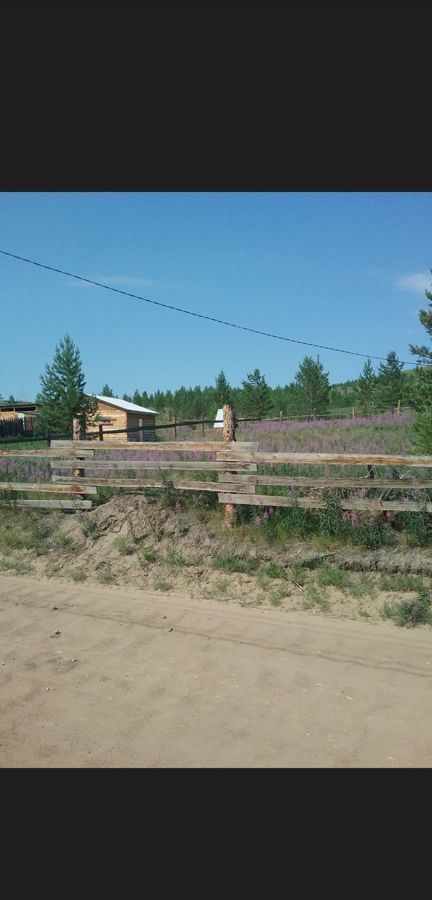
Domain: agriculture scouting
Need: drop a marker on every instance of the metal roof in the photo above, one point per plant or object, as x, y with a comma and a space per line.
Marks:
124, 404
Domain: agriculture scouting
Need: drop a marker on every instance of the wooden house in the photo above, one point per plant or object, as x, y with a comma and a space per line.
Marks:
113, 413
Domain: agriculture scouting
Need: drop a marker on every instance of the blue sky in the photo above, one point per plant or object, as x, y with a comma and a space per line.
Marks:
344, 269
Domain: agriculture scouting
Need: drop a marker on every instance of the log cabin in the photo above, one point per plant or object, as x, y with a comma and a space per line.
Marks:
114, 413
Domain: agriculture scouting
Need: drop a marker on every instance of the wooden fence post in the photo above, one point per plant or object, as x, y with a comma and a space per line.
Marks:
398, 411
229, 430
101, 432
281, 416
353, 413
76, 434
175, 428
140, 433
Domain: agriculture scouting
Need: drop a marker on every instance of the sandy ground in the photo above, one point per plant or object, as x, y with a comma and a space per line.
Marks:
145, 679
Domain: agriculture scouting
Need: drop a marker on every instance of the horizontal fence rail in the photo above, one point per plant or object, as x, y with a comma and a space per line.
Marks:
232, 469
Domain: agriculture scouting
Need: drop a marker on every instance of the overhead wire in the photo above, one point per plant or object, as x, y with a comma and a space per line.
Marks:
197, 315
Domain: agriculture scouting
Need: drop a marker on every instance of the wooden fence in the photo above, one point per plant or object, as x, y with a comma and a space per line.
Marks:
235, 465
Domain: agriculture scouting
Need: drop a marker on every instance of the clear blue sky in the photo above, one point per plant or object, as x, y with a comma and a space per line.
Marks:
345, 269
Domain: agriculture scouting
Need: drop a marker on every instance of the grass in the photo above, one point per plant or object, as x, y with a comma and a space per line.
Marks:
124, 546
162, 584
410, 612
276, 596
299, 575
61, 541
78, 574
273, 570
148, 555
28, 531
175, 560
16, 565
314, 598
230, 563
145, 557
88, 527
365, 586
330, 576
105, 576
400, 582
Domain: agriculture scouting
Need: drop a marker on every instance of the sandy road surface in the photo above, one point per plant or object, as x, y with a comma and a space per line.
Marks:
157, 680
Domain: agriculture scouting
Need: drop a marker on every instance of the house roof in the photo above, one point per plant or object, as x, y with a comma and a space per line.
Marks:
124, 404
12, 404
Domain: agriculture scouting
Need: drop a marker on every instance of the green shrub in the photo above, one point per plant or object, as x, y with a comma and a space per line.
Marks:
146, 556
331, 523
372, 535
410, 612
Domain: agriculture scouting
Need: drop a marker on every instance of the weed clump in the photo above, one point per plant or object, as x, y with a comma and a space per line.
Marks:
410, 612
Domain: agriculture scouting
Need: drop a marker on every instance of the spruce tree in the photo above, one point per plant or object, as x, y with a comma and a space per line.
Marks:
106, 391
390, 383
63, 396
313, 387
222, 390
256, 400
421, 394
367, 387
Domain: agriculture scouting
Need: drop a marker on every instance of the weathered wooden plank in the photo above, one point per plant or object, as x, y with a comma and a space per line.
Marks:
332, 459
102, 464
66, 487
46, 454
132, 484
53, 504
161, 446
316, 503
300, 481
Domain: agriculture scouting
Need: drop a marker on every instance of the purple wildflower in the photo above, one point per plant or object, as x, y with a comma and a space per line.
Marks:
257, 520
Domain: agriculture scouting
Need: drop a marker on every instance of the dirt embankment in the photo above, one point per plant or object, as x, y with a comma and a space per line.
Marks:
134, 541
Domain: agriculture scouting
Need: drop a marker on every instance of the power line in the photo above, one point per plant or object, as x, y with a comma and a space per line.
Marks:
197, 315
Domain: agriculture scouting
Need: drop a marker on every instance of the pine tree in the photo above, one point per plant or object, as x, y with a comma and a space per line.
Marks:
256, 400
367, 387
63, 396
137, 399
390, 383
106, 391
421, 394
313, 387
222, 390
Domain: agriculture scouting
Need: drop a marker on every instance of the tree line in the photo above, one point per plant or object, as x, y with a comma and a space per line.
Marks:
310, 394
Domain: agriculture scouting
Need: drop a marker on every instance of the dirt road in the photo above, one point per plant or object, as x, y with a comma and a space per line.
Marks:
115, 678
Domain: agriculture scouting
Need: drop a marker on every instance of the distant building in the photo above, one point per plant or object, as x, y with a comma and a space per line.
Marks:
114, 414
219, 415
